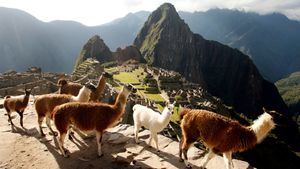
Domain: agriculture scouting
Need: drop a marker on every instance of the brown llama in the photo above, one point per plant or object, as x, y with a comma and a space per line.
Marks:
66, 87
17, 104
45, 104
91, 116
221, 134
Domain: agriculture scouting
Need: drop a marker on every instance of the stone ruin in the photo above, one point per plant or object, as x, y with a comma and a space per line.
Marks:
91, 68
14, 83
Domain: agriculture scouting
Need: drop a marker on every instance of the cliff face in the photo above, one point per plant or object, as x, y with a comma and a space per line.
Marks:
166, 41
94, 48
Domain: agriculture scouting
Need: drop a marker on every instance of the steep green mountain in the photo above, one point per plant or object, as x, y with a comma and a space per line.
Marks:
166, 41
289, 89
272, 41
94, 48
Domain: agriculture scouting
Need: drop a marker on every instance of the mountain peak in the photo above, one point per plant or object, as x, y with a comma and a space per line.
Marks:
163, 23
166, 41
94, 48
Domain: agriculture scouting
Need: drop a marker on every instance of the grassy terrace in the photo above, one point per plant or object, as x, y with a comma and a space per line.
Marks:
136, 77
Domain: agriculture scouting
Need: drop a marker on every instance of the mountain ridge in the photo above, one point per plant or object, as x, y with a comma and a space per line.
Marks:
55, 42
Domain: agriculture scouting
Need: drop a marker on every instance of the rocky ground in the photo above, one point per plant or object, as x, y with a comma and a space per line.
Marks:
24, 148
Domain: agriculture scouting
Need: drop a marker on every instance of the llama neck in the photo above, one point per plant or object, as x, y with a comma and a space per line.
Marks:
83, 95
120, 102
262, 126
165, 117
100, 85
26, 99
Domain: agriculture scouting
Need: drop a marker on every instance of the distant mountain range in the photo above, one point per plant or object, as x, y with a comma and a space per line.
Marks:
26, 41
272, 41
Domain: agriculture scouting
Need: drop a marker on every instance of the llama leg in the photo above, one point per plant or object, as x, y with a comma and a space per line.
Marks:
208, 157
9, 118
40, 121
21, 118
180, 151
155, 140
150, 139
228, 160
136, 132
185, 147
48, 122
71, 133
99, 141
61, 144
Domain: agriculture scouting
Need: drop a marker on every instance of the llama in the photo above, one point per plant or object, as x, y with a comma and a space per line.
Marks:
91, 116
221, 134
18, 104
45, 104
66, 87
152, 120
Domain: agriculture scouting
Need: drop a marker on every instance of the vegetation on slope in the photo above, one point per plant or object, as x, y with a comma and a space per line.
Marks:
289, 89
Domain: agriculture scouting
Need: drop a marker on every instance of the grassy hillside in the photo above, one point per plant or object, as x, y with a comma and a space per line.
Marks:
289, 89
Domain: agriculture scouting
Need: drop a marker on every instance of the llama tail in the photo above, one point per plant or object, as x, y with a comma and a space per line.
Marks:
262, 126
6, 97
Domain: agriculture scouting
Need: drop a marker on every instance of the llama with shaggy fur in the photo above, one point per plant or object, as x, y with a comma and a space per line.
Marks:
91, 116
66, 87
45, 104
152, 120
17, 104
221, 134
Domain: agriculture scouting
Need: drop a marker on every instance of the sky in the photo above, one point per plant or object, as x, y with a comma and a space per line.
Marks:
97, 12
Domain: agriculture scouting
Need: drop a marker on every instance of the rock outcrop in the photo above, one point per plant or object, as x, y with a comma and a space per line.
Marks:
129, 52
94, 48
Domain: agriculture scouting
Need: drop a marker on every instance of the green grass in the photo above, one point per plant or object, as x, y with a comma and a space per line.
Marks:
126, 77
175, 116
134, 78
154, 97
111, 70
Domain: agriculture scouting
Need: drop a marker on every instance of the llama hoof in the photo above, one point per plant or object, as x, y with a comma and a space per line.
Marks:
43, 135
99, 156
66, 155
181, 160
188, 166
53, 133
70, 137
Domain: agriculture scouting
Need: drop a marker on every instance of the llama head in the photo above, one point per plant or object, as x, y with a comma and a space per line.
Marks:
27, 92
127, 88
62, 82
171, 106
90, 86
263, 125
107, 75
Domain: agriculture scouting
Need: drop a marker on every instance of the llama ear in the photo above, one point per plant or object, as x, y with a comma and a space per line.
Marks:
265, 110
